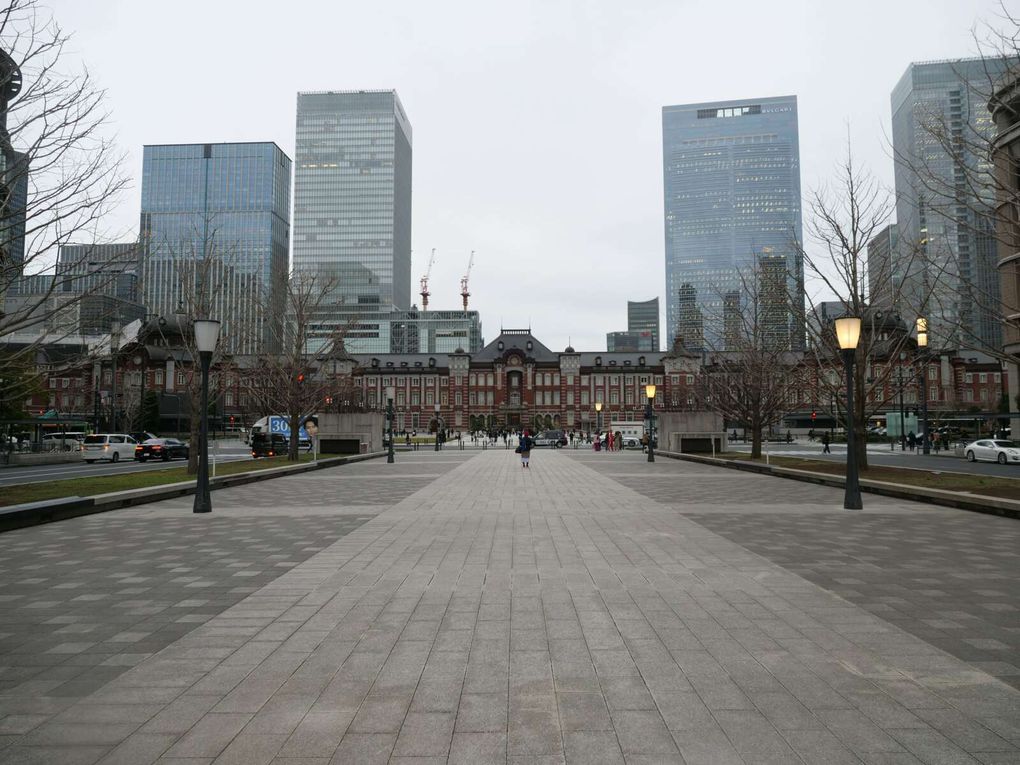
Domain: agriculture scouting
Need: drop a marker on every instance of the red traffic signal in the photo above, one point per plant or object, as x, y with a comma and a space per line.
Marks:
814, 416
231, 419
301, 377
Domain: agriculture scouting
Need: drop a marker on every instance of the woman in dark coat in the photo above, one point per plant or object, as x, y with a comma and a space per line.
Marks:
525, 449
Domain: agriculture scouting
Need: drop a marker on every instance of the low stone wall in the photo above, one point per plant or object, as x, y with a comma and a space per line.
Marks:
351, 432
691, 431
26, 459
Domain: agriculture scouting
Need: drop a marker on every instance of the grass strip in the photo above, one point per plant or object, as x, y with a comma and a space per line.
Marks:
104, 484
986, 485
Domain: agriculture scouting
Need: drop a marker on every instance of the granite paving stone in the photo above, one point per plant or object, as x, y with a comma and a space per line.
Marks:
455, 608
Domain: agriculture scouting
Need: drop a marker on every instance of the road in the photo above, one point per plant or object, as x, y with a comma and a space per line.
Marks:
224, 451
882, 455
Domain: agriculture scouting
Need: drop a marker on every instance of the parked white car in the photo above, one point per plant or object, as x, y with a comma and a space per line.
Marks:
992, 450
108, 446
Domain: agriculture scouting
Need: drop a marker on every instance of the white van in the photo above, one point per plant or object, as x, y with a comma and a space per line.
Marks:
68, 441
108, 446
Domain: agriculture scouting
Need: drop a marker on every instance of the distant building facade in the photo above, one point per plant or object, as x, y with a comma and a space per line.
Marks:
415, 331
352, 201
1005, 108
883, 287
946, 244
731, 180
631, 341
643, 316
219, 214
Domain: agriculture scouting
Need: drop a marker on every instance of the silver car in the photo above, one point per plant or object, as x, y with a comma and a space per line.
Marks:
992, 450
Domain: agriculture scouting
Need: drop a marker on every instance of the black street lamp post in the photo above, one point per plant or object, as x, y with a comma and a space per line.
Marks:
389, 421
922, 385
650, 416
207, 332
848, 332
598, 420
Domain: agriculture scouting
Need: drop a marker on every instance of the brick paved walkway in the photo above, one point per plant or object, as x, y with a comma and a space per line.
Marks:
502, 615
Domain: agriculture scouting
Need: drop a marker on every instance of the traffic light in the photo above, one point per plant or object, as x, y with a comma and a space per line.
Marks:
814, 416
231, 419
301, 378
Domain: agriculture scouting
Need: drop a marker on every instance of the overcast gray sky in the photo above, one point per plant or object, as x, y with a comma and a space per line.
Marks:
537, 124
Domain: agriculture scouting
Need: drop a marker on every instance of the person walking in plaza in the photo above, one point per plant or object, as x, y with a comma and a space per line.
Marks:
609, 441
524, 449
911, 440
825, 443
936, 441
598, 442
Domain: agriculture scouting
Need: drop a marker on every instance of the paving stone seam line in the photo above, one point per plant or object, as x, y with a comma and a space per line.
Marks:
269, 586
766, 562
393, 531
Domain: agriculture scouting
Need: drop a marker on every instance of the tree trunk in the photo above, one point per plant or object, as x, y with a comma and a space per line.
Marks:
861, 446
755, 440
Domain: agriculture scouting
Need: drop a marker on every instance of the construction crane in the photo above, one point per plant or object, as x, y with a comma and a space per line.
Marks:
425, 282
464, 280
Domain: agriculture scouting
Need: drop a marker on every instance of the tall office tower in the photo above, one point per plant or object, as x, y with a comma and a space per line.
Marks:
774, 302
643, 316
731, 173
733, 322
883, 289
352, 202
218, 214
104, 269
690, 318
945, 256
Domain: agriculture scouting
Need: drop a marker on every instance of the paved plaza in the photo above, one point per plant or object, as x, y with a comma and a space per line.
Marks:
453, 607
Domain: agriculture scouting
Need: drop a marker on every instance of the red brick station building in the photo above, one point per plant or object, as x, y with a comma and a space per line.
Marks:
514, 381
517, 382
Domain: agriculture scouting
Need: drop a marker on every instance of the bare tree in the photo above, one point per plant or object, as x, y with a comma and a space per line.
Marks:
199, 269
298, 378
842, 221
750, 375
59, 175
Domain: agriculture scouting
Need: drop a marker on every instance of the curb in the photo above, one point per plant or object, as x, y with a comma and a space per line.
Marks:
50, 510
1006, 508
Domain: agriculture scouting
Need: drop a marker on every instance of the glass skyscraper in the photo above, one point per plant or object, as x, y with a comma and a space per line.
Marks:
731, 181
352, 203
643, 316
219, 214
945, 258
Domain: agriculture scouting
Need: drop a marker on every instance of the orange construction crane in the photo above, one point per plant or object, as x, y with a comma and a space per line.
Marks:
464, 280
425, 282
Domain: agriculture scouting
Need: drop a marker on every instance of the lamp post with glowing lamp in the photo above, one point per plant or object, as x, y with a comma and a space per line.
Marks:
436, 409
922, 385
207, 333
598, 419
650, 416
848, 333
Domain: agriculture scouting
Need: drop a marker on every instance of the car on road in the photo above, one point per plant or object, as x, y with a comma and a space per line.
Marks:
112, 447
553, 438
992, 450
268, 445
164, 449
